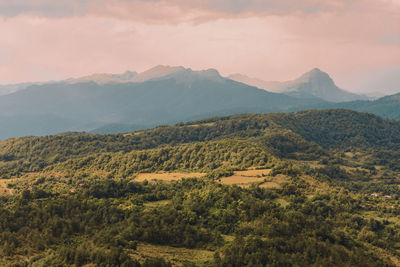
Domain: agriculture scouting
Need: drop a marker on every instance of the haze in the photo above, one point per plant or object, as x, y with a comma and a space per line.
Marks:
357, 42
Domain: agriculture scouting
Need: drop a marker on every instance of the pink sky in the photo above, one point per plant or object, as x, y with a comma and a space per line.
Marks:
356, 41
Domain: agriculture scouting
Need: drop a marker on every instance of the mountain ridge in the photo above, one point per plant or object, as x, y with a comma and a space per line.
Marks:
179, 73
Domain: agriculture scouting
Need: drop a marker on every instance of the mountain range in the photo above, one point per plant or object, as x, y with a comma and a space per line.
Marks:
112, 103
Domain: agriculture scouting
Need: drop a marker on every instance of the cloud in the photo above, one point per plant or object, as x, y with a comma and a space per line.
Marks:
259, 6
174, 11
201, 11
46, 8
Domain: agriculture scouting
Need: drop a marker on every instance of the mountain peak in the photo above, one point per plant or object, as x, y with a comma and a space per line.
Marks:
315, 70
163, 69
128, 75
157, 72
103, 78
315, 75
179, 73
189, 76
211, 73
317, 83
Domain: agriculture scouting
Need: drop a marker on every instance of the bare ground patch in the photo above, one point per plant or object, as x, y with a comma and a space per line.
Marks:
177, 256
4, 190
247, 177
168, 176
240, 180
254, 172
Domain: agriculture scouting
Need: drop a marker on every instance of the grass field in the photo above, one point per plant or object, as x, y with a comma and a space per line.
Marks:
241, 178
247, 177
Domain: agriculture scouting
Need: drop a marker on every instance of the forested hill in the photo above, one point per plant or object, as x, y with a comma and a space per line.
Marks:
327, 128
313, 188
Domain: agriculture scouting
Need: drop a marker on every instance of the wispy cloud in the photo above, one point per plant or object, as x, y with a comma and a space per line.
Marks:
180, 10
48, 8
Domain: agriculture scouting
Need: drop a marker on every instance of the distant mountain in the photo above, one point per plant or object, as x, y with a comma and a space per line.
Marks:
166, 95
314, 83
103, 78
158, 72
387, 107
376, 95
12, 88
180, 74
318, 84
267, 85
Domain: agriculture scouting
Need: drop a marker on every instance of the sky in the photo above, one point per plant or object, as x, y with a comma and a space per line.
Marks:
356, 41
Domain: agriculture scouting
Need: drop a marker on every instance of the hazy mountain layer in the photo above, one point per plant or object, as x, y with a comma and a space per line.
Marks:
314, 83
179, 73
11, 88
181, 94
387, 107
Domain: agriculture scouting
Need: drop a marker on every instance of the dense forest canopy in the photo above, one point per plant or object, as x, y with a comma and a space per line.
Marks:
309, 188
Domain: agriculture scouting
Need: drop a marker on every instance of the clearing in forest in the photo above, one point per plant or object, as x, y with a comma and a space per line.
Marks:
247, 177
241, 178
177, 256
168, 176
4, 190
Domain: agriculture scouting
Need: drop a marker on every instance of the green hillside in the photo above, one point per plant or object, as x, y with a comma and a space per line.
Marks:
310, 188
